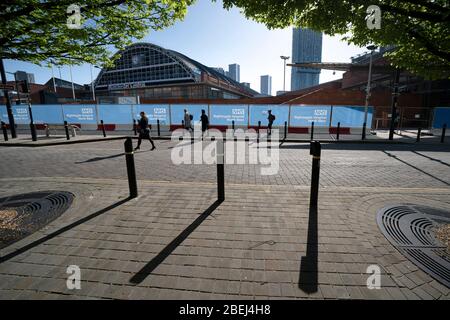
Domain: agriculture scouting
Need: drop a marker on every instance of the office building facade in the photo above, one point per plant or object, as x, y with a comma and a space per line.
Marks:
22, 75
266, 85
306, 47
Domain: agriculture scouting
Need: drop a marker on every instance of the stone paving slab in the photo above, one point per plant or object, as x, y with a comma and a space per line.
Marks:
175, 242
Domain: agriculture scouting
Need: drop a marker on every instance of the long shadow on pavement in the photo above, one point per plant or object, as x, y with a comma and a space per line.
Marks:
414, 167
308, 266
160, 257
107, 157
432, 159
62, 230
101, 158
369, 146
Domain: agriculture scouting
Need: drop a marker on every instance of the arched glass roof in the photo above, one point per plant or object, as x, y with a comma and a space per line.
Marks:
146, 64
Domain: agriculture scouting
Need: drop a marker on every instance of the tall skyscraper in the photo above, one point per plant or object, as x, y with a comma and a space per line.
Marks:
306, 47
266, 85
235, 72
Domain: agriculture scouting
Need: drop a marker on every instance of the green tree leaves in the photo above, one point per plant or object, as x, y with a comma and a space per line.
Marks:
36, 30
419, 29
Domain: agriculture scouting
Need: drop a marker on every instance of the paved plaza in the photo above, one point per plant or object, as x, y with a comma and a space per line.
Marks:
175, 241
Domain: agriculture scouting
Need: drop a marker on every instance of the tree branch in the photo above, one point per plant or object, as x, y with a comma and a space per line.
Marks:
428, 16
430, 45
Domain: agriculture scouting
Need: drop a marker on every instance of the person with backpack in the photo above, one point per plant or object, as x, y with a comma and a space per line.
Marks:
271, 119
205, 122
188, 120
144, 131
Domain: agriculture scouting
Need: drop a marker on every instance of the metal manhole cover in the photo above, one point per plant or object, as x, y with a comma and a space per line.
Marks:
22, 215
412, 230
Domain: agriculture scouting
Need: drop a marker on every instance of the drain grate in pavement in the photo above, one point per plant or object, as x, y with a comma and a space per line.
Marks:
23, 214
412, 230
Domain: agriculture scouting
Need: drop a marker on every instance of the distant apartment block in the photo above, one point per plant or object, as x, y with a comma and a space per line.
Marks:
22, 75
234, 72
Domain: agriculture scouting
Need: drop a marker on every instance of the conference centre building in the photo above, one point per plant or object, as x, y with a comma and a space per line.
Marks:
150, 72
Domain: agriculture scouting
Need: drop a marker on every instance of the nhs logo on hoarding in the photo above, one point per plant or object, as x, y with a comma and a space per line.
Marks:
87, 110
159, 110
320, 112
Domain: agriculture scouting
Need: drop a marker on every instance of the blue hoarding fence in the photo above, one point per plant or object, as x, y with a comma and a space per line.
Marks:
220, 115
441, 116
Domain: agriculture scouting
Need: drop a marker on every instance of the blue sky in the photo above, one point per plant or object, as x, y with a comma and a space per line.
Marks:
217, 37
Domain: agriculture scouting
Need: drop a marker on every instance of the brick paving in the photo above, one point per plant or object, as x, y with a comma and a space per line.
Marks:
341, 165
166, 244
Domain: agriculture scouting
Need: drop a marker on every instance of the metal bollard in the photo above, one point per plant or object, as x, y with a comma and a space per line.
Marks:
158, 127
66, 127
33, 131
5, 131
259, 127
338, 131
444, 127
103, 128
220, 170
418, 134
363, 135
131, 170
285, 130
135, 127
32, 126
315, 150
312, 131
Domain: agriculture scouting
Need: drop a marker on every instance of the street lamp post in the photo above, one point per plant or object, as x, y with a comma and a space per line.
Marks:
12, 124
366, 105
92, 82
71, 80
284, 71
17, 86
53, 78
394, 104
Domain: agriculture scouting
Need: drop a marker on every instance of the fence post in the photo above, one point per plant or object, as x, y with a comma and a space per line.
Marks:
444, 127
315, 150
131, 170
418, 134
363, 136
66, 127
220, 169
232, 125
135, 127
285, 130
159, 127
338, 131
312, 131
103, 128
5, 132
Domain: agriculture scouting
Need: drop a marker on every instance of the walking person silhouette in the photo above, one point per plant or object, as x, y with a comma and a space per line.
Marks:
144, 131
271, 119
205, 122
